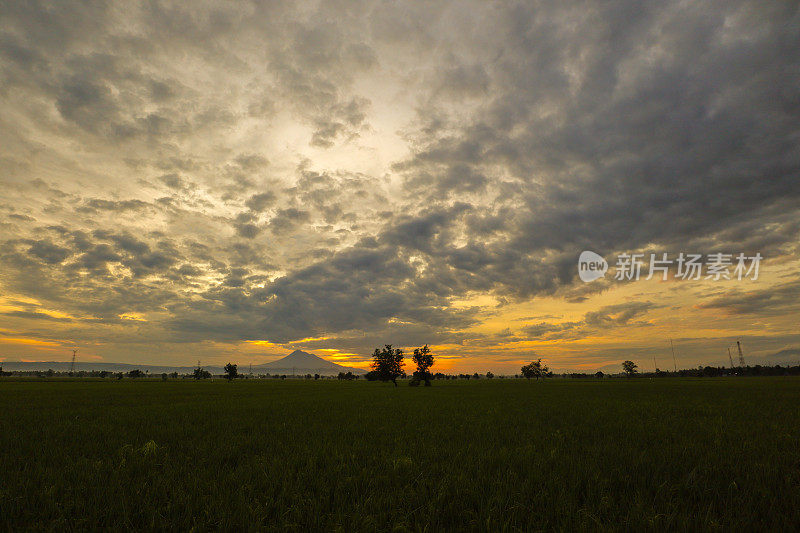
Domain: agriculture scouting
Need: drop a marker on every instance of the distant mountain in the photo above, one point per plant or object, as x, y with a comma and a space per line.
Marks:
298, 362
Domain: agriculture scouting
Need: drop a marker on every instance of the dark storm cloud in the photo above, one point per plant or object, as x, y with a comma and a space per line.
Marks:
776, 300
286, 219
617, 315
34, 315
594, 322
260, 201
369, 289
245, 226
463, 80
97, 204
544, 329
97, 258
100, 296
173, 181
340, 120
22, 218
789, 352
689, 145
319, 62
49, 252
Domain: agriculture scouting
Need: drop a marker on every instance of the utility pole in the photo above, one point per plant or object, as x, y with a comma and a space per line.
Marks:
72, 365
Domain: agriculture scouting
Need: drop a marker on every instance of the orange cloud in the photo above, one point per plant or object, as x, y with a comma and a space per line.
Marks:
24, 340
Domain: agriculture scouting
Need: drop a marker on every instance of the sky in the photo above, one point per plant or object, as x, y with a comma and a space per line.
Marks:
230, 181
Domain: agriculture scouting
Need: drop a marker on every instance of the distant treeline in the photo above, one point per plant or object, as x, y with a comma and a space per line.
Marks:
703, 372
699, 372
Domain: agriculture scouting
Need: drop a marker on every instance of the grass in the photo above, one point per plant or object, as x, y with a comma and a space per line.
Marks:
488, 455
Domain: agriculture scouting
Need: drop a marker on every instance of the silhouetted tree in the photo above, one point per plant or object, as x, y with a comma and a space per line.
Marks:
135, 373
489, 375
423, 358
231, 371
629, 367
388, 363
164, 376
535, 370
201, 373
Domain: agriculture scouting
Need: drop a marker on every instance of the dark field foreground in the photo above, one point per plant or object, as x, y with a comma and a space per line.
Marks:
486, 455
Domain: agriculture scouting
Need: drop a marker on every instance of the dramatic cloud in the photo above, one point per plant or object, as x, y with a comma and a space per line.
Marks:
779, 299
204, 176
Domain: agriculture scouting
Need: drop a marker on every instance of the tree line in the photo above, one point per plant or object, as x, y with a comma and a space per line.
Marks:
388, 363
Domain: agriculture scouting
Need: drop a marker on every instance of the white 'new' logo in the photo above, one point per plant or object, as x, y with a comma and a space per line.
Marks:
591, 266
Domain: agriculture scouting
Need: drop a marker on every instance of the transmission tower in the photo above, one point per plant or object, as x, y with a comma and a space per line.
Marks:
674, 362
729, 356
741, 355
72, 364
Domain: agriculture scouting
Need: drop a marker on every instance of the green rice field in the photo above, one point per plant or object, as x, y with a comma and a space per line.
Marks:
488, 455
